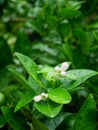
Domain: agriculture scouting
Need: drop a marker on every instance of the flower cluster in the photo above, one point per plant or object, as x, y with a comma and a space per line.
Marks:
61, 70
40, 97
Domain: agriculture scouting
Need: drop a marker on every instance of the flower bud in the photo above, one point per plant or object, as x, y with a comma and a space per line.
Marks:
63, 73
57, 69
37, 98
64, 66
46, 95
43, 94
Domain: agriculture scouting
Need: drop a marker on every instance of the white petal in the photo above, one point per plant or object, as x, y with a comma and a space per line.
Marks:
62, 73
43, 94
37, 98
64, 66
46, 95
57, 69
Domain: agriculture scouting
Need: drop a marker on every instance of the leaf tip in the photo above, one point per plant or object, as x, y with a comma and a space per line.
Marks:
15, 110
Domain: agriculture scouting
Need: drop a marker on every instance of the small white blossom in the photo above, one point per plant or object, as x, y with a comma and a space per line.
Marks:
40, 97
43, 94
64, 66
57, 69
46, 95
62, 73
37, 98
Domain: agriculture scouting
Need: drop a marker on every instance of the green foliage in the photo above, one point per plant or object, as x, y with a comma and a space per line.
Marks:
38, 125
52, 123
57, 96
2, 99
86, 118
5, 56
36, 36
28, 97
48, 108
22, 40
81, 76
60, 95
13, 121
2, 121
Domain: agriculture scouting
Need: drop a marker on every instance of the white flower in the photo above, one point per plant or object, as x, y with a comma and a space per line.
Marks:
37, 98
62, 73
40, 97
43, 94
46, 95
64, 66
57, 69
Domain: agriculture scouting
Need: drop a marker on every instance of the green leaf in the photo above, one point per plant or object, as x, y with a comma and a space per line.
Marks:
48, 108
15, 94
53, 37
67, 32
60, 95
5, 78
82, 35
70, 76
29, 64
38, 125
64, 82
86, 118
22, 44
48, 72
9, 116
20, 78
28, 97
34, 85
73, 54
6, 55
68, 121
74, 4
44, 48
35, 25
69, 13
31, 67
56, 121
2, 121
68, 51
81, 75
